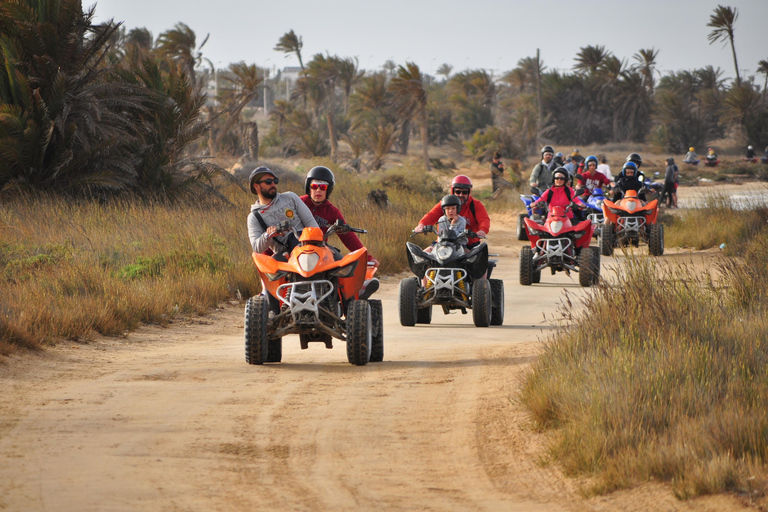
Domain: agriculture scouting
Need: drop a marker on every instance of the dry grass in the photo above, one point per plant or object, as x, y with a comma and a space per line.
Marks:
665, 379
71, 270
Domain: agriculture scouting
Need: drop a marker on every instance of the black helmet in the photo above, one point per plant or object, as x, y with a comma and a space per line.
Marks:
320, 173
548, 149
563, 172
450, 200
634, 157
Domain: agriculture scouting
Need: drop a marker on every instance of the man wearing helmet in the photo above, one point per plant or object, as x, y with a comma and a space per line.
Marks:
271, 209
471, 209
318, 186
541, 175
636, 159
629, 179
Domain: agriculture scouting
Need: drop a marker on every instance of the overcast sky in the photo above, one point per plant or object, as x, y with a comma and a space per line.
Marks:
489, 34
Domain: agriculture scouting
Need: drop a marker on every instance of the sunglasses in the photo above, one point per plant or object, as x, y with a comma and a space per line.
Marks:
460, 192
318, 186
559, 178
270, 181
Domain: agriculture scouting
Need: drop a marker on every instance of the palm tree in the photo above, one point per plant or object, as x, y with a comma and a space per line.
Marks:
411, 100
722, 21
762, 67
290, 43
646, 65
248, 82
178, 45
349, 75
590, 58
324, 72
445, 70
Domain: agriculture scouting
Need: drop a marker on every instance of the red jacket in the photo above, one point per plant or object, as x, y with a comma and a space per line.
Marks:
473, 210
326, 214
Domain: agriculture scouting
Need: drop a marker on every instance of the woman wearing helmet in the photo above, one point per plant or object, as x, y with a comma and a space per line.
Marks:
472, 210
318, 186
560, 194
691, 158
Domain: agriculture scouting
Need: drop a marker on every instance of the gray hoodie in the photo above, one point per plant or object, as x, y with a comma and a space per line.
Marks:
285, 206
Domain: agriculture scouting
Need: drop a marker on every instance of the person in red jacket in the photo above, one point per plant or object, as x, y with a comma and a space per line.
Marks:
471, 209
560, 194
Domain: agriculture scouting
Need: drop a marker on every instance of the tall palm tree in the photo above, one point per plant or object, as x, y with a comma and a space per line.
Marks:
325, 72
646, 65
247, 80
762, 67
349, 75
590, 58
411, 100
179, 45
290, 43
723, 23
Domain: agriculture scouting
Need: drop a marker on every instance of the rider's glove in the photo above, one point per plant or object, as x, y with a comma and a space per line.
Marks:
481, 234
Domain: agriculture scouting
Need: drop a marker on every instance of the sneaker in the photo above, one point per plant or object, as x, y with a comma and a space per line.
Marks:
369, 287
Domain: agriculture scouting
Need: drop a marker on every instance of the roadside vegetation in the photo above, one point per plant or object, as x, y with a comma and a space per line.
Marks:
70, 269
665, 379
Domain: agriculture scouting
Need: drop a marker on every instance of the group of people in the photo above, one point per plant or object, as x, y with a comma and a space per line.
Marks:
711, 160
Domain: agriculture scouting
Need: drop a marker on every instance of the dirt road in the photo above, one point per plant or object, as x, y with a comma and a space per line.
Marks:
175, 420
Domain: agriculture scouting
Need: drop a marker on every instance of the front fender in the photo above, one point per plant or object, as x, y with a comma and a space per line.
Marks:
418, 260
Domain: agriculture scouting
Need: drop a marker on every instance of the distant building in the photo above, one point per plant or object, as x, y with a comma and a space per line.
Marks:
288, 77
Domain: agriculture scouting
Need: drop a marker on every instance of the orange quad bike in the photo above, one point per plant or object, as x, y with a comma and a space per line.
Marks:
317, 295
631, 221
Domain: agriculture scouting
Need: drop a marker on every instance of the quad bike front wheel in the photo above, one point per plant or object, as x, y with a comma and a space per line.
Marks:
424, 315
606, 240
526, 266
256, 319
407, 303
274, 350
481, 303
656, 240
377, 331
497, 301
359, 332
588, 272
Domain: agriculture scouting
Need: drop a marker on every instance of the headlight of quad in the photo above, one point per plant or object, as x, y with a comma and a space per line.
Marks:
444, 252
556, 226
308, 261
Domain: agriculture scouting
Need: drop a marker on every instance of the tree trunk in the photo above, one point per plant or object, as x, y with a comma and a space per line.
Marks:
405, 137
538, 99
425, 136
253, 141
735, 63
211, 136
331, 117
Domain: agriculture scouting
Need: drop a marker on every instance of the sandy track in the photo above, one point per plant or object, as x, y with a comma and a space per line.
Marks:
174, 420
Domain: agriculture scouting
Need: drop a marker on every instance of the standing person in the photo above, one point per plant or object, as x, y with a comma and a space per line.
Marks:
497, 173
318, 186
670, 175
604, 168
471, 209
541, 175
271, 209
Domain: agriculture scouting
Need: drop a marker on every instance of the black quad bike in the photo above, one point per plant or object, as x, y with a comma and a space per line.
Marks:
454, 281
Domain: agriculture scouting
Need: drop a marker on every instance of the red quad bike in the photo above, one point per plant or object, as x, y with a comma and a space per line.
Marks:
317, 297
562, 247
631, 221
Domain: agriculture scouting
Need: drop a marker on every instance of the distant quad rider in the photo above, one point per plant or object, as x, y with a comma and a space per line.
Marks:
751, 155
560, 194
629, 179
472, 209
270, 210
318, 186
590, 179
541, 175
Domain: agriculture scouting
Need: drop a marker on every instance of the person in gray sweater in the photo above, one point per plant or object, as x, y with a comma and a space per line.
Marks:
271, 209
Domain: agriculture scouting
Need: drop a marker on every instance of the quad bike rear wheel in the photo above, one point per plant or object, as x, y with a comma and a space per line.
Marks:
497, 301
526, 266
606, 240
407, 306
256, 319
377, 334
481, 303
522, 232
656, 240
359, 332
